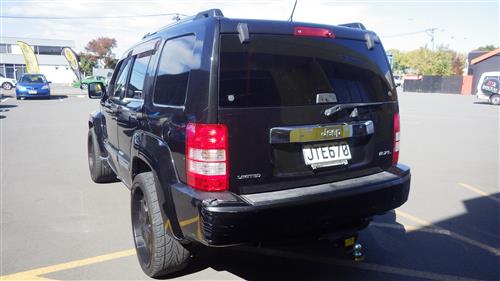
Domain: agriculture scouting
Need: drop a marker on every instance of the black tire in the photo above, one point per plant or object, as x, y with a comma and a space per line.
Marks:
18, 98
158, 253
495, 99
100, 172
6, 86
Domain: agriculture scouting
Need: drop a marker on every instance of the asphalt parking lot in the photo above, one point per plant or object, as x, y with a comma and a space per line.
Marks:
57, 224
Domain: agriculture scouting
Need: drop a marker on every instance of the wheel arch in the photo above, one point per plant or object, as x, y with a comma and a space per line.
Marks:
151, 154
96, 127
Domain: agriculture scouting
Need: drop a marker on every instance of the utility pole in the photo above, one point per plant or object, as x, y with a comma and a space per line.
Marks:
430, 32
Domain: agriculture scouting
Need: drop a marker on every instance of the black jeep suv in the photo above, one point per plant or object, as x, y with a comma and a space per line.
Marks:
231, 131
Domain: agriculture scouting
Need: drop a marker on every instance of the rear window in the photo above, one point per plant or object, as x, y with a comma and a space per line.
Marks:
280, 70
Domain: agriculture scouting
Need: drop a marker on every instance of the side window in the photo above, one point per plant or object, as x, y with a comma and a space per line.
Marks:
121, 80
139, 69
176, 61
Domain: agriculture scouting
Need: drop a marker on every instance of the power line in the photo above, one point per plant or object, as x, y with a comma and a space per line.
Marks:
88, 18
408, 33
429, 31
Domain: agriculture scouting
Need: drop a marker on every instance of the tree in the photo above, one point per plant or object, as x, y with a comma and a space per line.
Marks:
101, 49
487, 48
87, 63
442, 61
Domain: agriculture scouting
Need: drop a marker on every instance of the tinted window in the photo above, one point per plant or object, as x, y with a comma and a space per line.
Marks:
176, 61
121, 79
49, 50
5, 49
491, 77
137, 76
290, 71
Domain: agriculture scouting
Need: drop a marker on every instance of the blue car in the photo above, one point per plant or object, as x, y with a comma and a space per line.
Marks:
33, 85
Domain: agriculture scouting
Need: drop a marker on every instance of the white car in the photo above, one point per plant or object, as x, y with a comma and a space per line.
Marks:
398, 80
488, 87
7, 83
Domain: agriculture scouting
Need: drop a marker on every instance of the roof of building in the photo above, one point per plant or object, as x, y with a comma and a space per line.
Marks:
38, 41
42, 59
485, 56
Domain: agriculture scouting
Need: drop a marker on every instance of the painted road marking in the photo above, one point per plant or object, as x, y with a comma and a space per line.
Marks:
479, 191
452, 234
34, 274
356, 265
5, 99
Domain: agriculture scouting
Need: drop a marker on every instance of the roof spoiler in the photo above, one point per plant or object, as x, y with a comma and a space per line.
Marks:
212, 13
356, 25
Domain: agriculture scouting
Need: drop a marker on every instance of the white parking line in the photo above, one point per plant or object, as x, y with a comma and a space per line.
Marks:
5, 99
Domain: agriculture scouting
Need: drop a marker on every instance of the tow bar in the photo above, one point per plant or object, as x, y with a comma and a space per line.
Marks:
353, 249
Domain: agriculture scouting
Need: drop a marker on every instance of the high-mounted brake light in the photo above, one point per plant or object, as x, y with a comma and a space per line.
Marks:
206, 156
313, 32
397, 131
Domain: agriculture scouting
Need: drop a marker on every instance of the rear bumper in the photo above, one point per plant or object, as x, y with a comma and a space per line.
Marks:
220, 219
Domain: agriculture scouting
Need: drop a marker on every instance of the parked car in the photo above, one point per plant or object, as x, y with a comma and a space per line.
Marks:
488, 87
231, 131
87, 80
7, 83
33, 85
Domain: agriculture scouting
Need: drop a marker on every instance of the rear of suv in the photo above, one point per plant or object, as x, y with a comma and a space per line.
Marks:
231, 131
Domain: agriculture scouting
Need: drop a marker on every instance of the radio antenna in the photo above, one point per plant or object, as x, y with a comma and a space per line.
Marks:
293, 11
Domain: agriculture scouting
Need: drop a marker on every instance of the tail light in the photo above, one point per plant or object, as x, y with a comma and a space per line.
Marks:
397, 130
313, 32
207, 156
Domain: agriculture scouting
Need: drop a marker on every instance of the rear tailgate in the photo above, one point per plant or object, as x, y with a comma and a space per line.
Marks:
273, 93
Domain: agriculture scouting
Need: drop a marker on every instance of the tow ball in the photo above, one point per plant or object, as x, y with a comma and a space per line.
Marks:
353, 249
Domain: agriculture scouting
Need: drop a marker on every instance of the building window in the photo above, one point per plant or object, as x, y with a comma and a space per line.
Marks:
5, 49
9, 71
14, 71
20, 69
48, 50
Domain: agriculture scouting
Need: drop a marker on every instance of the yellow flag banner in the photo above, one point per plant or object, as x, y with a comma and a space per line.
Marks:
29, 58
73, 60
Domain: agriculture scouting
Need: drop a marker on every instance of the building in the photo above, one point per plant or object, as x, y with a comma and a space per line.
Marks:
480, 62
48, 52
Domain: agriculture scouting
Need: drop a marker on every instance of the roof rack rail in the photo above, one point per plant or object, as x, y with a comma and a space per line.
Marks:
356, 25
212, 13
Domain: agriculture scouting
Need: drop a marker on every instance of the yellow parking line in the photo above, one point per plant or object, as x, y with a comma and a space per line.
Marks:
479, 191
420, 221
452, 234
34, 274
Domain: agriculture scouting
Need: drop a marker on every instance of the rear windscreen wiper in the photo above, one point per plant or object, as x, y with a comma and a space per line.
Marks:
339, 107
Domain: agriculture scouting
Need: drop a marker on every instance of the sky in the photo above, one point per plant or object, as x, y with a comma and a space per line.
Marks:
460, 25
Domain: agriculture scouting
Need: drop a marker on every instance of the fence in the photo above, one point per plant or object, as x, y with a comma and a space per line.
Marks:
435, 84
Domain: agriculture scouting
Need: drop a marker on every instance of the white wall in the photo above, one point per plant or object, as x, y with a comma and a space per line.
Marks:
16, 50
58, 74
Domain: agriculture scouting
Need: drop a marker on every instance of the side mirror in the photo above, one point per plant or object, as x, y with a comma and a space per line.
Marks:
49, 82
96, 90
